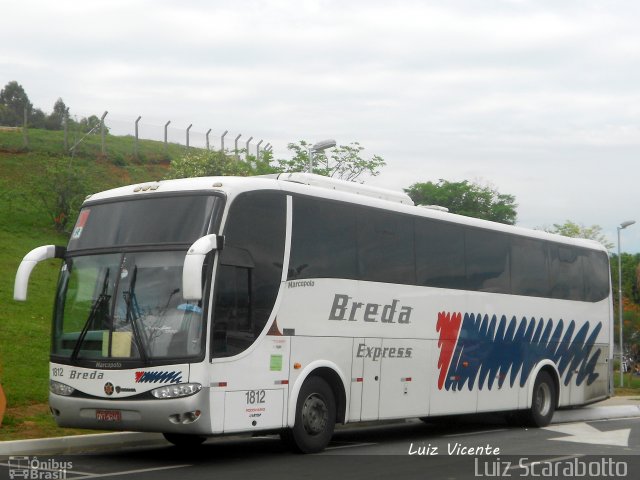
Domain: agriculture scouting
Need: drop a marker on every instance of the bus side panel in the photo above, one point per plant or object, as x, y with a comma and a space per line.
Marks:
599, 389
449, 401
248, 391
247, 409
404, 380
312, 353
497, 349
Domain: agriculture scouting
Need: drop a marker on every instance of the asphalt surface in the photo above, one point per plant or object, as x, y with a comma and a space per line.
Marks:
612, 408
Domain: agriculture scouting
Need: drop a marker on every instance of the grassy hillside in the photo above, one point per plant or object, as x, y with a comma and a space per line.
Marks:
24, 225
119, 150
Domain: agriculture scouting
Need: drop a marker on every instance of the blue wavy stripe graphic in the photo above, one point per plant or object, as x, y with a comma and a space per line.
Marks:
488, 349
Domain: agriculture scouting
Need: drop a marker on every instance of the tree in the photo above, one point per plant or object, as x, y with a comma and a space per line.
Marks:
344, 162
202, 163
630, 275
575, 230
89, 124
13, 100
38, 119
62, 193
465, 198
56, 118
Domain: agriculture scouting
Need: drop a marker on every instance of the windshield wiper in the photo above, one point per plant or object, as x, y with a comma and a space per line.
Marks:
133, 313
97, 306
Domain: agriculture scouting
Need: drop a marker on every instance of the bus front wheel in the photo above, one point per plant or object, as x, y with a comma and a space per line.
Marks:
543, 403
315, 417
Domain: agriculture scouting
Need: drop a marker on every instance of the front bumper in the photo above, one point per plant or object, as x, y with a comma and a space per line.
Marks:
174, 415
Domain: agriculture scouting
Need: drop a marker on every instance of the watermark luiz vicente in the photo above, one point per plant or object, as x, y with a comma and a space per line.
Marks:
454, 448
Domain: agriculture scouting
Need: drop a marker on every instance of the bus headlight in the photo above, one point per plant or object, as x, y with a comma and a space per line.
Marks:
60, 388
175, 391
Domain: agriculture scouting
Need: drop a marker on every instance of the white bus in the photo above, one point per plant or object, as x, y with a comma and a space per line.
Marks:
290, 303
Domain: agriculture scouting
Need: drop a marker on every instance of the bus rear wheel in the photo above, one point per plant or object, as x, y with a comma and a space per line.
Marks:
543, 403
183, 440
315, 418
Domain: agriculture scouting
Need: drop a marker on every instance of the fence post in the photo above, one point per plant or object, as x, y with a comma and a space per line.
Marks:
222, 140
258, 151
65, 124
135, 145
188, 128
246, 155
166, 125
102, 133
236, 146
208, 132
25, 133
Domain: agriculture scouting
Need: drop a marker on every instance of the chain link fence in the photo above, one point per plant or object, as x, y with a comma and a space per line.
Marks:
120, 139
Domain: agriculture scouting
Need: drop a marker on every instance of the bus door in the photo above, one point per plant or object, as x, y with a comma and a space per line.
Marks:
365, 379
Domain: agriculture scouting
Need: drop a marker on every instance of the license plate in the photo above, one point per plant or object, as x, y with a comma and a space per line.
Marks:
109, 415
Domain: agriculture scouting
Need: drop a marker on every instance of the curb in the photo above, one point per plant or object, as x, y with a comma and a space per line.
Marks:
75, 443
84, 443
596, 413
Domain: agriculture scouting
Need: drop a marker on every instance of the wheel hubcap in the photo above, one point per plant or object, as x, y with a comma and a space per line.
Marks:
543, 399
315, 414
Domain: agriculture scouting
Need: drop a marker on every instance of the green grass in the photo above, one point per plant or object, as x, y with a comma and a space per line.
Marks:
25, 327
119, 149
631, 382
24, 224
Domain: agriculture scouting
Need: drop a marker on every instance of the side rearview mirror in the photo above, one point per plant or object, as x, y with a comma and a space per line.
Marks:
27, 265
193, 263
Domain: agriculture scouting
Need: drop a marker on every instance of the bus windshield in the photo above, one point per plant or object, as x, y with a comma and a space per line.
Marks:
125, 306
119, 293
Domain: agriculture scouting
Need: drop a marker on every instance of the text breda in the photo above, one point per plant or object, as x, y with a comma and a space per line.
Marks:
344, 308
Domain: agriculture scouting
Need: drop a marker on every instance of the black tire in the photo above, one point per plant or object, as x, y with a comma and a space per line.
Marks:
315, 418
183, 440
543, 402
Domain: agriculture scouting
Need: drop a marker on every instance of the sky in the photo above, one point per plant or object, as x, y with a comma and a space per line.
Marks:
540, 99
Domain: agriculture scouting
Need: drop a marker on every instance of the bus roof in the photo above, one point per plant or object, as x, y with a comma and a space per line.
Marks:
329, 188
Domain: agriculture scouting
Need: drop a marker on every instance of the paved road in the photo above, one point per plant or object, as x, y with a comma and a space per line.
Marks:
610, 447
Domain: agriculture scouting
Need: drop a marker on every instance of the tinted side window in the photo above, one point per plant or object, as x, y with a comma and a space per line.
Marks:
487, 255
529, 269
324, 241
249, 271
440, 254
597, 276
567, 278
385, 247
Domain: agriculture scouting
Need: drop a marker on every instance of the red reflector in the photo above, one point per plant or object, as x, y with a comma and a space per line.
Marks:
282, 382
465, 364
359, 379
407, 379
219, 384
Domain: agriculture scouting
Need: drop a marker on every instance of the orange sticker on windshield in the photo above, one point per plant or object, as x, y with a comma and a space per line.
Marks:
82, 220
